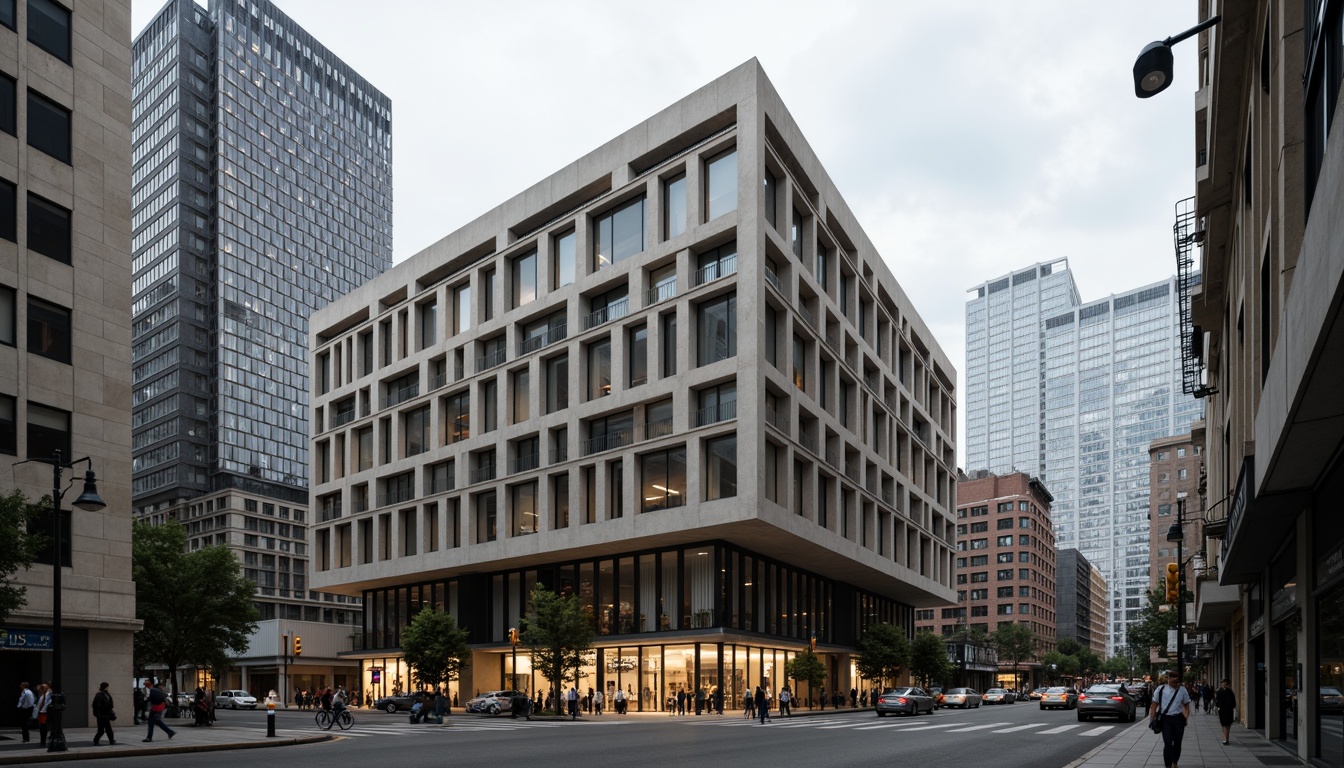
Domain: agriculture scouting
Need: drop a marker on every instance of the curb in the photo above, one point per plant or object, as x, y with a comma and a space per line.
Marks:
1090, 753
54, 757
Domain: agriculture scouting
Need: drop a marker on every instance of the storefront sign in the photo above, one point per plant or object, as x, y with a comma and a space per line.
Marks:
1284, 601
1241, 499
26, 640
1329, 567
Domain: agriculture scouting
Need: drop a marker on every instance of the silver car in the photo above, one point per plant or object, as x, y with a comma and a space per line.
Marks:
962, 698
909, 701
1000, 696
1107, 700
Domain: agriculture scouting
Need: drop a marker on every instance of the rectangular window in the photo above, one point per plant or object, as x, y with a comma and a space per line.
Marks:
557, 383
9, 211
674, 206
796, 235
525, 279
457, 417
489, 405
9, 421
364, 449
771, 335
599, 369
721, 467
560, 501
566, 265
620, 234
522, 393
663, 479
717, 330
462, 308
721, 189
48, 330
769, 195
489, 290
615, 490
48, 126
48, 229
523, 520
486, 521
49, 28
664, 282
716, 404
637, 354
429, 318
48, 432
799, 364
823, 268
415, 432
669, 344
9, 102
715, 263
8, 317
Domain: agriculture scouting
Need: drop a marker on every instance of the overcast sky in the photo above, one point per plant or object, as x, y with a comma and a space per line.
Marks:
970, 138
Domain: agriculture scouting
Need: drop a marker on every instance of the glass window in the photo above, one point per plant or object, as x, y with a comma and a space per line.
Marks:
8, 317
462, 307
721, 189
489, 289
599, 369
658, 419
525, 279
364, 449
716, 263
415, 431
48, 126
823, 267
429, 318
796, 235
771, 335
566, 264
522, 393
663, 479
489, 405
716, 404
49, 28
486, 521
664, 282
669, 344
9, 433
560, 501
48, 330
769, 193
457, 417
799, 364
718, 330
524, 513
620, 234
9, 103
557, 383
48, 229
637, 356
721, 467
674, 206
7, 13
48, 431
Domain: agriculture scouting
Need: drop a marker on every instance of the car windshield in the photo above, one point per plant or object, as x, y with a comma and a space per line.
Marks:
900, 691
960, 690
1326, 691
996, 690
1104, 689
1055, 690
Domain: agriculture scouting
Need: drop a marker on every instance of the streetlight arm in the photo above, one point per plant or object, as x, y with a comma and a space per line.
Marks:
1191, 32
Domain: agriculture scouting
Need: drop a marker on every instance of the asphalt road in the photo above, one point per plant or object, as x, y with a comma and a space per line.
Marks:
1006, 735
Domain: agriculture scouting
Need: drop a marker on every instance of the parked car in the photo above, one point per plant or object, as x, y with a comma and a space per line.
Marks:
1037, 693
1000, 696
1059, 697
1331, 699
401, 702
962, 698
235, 700
493, 702
938, 697
909, 701
1107, 700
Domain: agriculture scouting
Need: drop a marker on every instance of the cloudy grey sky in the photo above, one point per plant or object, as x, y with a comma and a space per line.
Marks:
970, 138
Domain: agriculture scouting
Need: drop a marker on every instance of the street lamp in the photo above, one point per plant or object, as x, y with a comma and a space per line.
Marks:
1176, 533
89, 501
1152, 70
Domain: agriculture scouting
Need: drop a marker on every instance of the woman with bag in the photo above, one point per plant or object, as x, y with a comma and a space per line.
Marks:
102, 712
1171, 711
1226, 702
43, 700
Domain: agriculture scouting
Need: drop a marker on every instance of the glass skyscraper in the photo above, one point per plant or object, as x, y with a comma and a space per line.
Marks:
1076, 392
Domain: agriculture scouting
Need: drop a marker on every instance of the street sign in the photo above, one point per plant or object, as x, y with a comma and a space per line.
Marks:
26, 640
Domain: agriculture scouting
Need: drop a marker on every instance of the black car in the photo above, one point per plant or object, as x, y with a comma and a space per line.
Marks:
402, 702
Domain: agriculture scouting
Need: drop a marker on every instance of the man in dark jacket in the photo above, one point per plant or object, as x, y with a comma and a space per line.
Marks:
102, 712
760, 704
138, 701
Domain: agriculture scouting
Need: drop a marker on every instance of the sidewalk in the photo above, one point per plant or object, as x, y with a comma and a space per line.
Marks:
1138, 747
79, 742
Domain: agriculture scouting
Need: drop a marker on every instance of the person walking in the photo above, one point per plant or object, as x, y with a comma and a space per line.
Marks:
749, 706
1171, 711
28, 710
137, 702
785, 696
1207, 692
43, 700
158, 702
573, 698
760, 703
102, 712
718, 700
1226, 703
699, 701
598, 700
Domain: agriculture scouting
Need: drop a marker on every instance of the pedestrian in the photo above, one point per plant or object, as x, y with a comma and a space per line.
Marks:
785, 696
718, 700
103, 713
822, 697
43, 700
1145, 699
27, 710
138, 702
699, 701
1207, 692
853, 698
681, 701
760, 703
598, 700
1171, 711
1226, 703
158, 702
620, 702
573, 698
298, 700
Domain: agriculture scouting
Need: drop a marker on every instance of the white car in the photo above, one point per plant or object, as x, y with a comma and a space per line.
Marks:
235, 700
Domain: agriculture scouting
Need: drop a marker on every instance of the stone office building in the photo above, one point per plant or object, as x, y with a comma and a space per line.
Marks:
674, 379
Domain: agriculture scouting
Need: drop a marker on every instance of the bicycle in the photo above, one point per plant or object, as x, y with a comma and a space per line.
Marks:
343, 719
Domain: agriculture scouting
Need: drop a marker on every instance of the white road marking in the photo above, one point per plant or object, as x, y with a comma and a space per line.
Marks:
1097, 731
978, 728
1060, 729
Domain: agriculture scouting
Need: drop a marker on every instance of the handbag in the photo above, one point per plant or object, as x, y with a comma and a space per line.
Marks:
1156, 724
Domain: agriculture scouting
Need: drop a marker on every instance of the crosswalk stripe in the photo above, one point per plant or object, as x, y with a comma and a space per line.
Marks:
1097, 731
1018, 728
875, 727
928, 727
1060, 729
977, 728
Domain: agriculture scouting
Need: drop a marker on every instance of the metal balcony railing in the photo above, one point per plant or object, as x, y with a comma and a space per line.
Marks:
547, 337
656, 429
491, 359
398, 396
715, 270
773, 280
660, 293
804, 313
611, 441
331, 510
483, 474
716, 413
341, 418
524, 463
396, 496
613, 311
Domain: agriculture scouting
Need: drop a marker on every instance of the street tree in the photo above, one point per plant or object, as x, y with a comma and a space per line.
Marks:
1089, 663
435, 648
928, 659
884, 653
1015, 643
1069, 646
18, 545
1059, 665
559, 635
807, 668
197, 607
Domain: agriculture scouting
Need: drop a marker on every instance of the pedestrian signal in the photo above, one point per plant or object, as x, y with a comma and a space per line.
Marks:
298, 645
1173, 583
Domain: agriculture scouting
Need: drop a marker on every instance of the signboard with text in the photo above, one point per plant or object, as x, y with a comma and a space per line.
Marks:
25, 640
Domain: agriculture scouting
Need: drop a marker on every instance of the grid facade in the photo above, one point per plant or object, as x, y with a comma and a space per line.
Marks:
683, 337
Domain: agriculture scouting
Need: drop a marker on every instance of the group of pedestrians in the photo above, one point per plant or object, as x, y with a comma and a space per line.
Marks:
1172, 706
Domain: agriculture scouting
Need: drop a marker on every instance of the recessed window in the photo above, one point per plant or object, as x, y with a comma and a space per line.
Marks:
429, 321
462, 308
566, 264
48, 229
663, 479
721, 189
48, 330
48, 126
8, 335
599, 369
769, 195
525, 279
7, 13
620, 234
637, 354
9, 433
721, 467
523, 519
9, 104
717, 337
489, 288
48, 432
674, 206
668, 342
521, 395
557, 383
49, 28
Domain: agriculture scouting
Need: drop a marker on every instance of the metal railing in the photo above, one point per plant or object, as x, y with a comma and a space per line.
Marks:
852, 470
618, 439
550, 335
482, 474
438, 381
774, 281
715, 270
613, 311
777, 419
808, 439
398, 396
396, 496
524, 463
716, 413
656, 429
831, 458
359, 505
807, 316
341, 418
440, 485
491, 359
331, 510
660, 293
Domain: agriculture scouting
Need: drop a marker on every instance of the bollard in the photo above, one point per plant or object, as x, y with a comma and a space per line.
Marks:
270, 718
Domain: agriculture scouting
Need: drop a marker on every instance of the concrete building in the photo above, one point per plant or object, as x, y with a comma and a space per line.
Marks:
1073, 393
65, 329
1266, 346
1175, 471
1005, 567
262, 190
1081, 601
675, 379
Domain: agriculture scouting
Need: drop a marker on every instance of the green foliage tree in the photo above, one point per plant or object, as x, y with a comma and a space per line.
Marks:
806, 667
884, 652
928, 659
435, 648
1015, 643
1068, 646
196, 606
18, 547
1089, 664
559, 635
1059, 665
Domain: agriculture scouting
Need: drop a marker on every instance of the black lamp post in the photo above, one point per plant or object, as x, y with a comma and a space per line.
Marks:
1152, 70
1176, 533
88, 501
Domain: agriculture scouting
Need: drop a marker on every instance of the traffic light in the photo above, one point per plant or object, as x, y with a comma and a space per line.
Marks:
298, 645
1173, 583
513, 635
